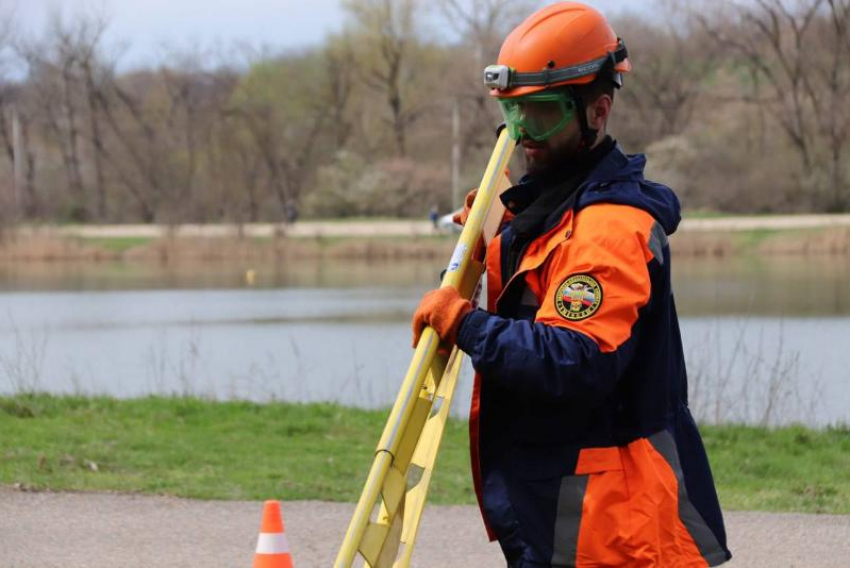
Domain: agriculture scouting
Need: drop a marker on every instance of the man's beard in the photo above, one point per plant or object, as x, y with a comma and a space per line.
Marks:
568, 153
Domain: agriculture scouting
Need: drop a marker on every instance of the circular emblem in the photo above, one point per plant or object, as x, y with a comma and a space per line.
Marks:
578, 297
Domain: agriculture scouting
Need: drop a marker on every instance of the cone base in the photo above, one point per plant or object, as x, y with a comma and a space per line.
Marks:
272, 561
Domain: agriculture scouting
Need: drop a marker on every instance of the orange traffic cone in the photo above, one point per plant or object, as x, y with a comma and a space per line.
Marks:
272, 546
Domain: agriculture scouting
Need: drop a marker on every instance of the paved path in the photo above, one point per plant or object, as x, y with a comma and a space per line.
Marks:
69, 530
401, 227
305, 229
777, 222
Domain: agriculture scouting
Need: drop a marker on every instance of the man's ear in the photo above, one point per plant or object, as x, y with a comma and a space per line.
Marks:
599, 111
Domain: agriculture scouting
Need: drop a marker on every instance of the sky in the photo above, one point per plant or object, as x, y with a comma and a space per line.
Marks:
139, 29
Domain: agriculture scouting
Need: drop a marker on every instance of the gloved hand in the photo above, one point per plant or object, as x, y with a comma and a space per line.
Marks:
460, 218
443, 309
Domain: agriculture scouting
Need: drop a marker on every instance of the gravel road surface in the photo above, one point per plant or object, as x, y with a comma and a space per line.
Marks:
72, 530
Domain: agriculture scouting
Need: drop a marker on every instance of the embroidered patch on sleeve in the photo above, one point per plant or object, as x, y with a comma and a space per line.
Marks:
578, 297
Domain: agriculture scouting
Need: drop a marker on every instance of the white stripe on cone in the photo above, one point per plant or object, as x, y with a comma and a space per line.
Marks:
272, 543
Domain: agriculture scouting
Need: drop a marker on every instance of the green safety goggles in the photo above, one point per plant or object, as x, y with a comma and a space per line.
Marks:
539, 115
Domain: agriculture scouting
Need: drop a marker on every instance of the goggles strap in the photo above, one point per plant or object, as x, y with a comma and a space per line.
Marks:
550, 76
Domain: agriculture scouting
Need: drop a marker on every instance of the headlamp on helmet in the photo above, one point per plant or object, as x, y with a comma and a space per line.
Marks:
497, 77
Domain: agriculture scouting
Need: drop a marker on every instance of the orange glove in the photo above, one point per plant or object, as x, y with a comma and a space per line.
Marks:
443, 309
460, 218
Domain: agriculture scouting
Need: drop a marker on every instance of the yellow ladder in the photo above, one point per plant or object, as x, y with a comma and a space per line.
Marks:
385, 523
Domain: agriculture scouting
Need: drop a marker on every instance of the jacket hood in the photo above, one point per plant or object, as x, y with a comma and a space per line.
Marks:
619, 179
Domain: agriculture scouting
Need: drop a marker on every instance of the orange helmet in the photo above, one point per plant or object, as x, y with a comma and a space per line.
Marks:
566, 43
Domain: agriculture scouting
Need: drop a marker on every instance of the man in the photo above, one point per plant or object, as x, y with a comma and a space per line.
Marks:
434, 216
584, 452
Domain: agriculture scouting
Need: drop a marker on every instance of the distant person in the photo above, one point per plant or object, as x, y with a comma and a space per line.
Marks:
291, 211
584, 451
434, 216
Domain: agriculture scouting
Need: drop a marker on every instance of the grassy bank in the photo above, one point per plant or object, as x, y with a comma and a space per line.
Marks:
239, 450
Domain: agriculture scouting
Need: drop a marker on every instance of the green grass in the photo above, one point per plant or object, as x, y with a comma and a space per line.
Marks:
239, 450
785, 469
117, 244
201, 449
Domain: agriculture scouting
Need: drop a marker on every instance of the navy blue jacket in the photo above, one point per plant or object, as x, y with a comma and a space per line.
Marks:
581, 374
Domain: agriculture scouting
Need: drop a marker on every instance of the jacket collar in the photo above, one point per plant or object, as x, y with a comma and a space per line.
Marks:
617, 166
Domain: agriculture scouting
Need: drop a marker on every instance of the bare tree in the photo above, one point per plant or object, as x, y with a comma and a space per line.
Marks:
285, 120
671, 63
139, 165
480, 26
63, 70
484, 24
340, 81
94, 77
16, 119
237, 170
828, 87
387, 38
800, 51
189, 90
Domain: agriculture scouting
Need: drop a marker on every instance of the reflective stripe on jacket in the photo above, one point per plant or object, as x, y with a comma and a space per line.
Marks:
584, 452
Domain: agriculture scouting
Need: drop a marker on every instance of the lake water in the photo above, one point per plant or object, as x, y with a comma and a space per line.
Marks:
766, 339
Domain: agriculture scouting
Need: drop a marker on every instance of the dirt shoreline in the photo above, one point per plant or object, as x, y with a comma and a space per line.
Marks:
384, 240
76, 530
